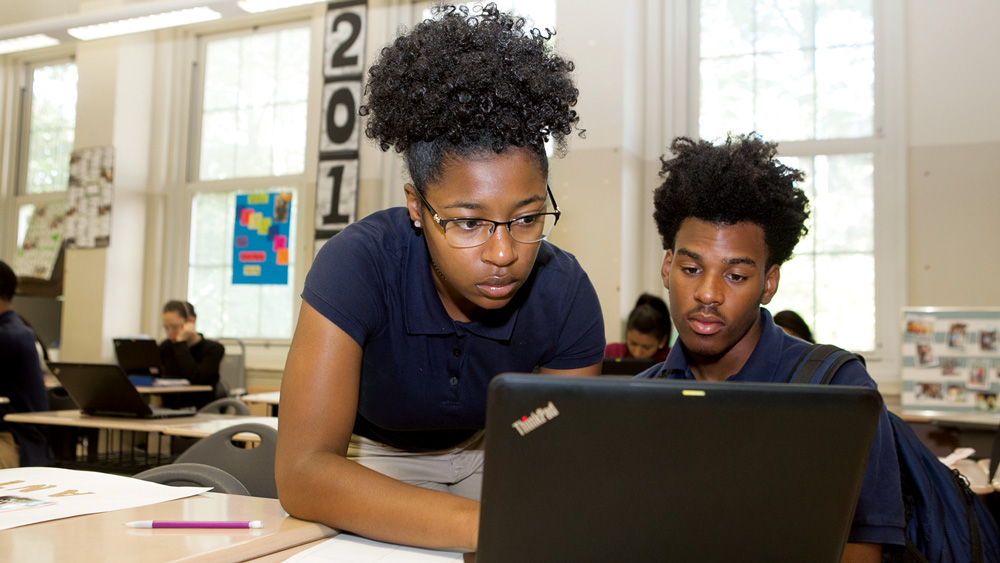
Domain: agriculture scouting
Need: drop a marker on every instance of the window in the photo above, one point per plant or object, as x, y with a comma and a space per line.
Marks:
250, 137
48, 123
51, 127
803, 74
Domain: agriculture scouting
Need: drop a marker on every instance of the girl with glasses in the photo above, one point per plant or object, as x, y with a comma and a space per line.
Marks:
408, 313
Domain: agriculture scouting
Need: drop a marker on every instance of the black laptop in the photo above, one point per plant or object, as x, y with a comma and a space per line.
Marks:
608, 469
139, 357
105, 390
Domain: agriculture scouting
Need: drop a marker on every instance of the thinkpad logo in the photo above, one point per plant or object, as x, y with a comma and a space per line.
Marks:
540, 416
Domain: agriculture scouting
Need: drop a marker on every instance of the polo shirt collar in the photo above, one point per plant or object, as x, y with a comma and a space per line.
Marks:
425, 314
764, 358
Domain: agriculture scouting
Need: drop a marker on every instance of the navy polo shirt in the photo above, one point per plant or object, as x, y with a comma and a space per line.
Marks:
424, 375
878, 517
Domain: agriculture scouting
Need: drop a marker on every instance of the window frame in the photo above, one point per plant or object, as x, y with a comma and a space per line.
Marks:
182, 187
18, 74
886, 145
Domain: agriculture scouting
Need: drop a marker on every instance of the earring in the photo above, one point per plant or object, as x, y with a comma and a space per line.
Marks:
416, 224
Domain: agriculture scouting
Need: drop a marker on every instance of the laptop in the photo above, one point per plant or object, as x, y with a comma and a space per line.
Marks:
611, 469
139, 357
105, 390
625, 366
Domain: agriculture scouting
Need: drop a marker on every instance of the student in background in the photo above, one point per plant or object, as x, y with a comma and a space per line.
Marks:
187, 354
730, 216
647, 331
793, 324
21, 445
409, 313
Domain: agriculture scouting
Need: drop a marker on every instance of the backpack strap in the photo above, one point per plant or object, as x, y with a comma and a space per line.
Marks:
819, 363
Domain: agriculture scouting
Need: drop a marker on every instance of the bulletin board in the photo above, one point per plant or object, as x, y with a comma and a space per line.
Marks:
951, 359
260, 238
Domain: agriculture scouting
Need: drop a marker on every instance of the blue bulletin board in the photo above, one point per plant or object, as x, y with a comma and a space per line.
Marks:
260, 238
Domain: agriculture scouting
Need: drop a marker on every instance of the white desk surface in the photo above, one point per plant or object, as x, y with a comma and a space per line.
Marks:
80, 420
268, 398
155, 390
203, 426
104, 537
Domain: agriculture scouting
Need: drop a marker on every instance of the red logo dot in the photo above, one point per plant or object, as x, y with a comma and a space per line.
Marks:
523, 418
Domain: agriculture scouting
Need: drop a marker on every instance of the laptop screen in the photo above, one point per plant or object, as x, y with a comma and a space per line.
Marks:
138, 356
609, 469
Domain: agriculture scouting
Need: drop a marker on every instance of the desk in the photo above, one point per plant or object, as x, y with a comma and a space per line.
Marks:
156, 390
103, 537
204, 426
270, 398
125, 458
943, 431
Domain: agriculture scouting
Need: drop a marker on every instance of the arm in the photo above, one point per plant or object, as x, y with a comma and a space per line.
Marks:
862, 553
594, 369
319, 397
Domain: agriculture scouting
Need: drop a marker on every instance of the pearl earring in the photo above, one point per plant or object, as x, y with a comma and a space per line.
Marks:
416, 224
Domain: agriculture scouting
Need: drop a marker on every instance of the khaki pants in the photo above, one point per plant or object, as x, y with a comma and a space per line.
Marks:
457, 470
9, 456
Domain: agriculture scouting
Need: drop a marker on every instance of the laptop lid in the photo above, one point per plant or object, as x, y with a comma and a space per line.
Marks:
105, 390
138, 356
625, 366
611, 469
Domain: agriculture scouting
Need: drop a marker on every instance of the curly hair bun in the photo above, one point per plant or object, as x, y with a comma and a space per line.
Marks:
473, 79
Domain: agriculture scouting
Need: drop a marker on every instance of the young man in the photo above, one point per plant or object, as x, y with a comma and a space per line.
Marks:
729, 216
20, 381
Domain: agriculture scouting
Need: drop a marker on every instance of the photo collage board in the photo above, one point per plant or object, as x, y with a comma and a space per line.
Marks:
951, 359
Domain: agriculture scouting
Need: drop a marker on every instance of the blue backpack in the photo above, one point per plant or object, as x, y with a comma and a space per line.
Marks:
945, 521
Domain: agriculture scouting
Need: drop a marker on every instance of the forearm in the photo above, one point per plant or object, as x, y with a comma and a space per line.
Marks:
327, 488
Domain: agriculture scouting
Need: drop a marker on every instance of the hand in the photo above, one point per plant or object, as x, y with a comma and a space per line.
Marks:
188, 334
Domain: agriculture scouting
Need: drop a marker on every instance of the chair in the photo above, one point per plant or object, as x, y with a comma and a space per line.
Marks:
254, 467
226, 405
232, 370
194, 475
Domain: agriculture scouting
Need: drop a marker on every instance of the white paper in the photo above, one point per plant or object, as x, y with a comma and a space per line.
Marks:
354, 549
79, 492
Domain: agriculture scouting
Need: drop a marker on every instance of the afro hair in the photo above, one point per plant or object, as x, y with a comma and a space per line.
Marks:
465, 83
735, 182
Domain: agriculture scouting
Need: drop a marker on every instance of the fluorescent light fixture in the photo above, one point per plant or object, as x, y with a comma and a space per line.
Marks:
26, 43
144, 23
255, 6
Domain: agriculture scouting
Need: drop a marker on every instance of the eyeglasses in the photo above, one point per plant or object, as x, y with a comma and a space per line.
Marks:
467, 232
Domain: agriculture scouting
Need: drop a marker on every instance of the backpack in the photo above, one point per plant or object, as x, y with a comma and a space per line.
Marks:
945, 521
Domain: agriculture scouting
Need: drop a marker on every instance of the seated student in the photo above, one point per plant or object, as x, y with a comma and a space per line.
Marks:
647, 332
186, 354
729, 216
793, 324
21, 445
409, 313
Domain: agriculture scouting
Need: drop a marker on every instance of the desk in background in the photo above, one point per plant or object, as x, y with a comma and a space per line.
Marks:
104, 538
102, 451
270, 398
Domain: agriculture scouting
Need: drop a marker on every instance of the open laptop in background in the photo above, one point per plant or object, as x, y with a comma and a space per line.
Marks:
625, 366
105, 390
611, 469
140, 358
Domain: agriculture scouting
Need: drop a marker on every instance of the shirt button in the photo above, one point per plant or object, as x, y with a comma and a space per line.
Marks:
456, 352
453, 381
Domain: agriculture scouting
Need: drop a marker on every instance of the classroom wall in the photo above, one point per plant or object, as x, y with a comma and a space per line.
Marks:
953, 159
953, 138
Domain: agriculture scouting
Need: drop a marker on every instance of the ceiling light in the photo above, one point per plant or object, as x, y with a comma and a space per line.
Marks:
255, 6
144, 23
27, 42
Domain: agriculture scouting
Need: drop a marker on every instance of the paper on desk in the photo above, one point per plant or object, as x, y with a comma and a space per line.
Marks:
79, 492
346, 547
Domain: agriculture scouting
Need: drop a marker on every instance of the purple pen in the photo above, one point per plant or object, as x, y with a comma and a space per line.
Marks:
193, 524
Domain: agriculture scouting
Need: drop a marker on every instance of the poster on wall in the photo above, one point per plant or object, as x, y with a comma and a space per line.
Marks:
87, 221
340, 129
260, 238
950, 359
37, 255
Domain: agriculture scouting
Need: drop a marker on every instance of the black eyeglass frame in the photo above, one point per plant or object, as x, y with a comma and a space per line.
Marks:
444, 222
